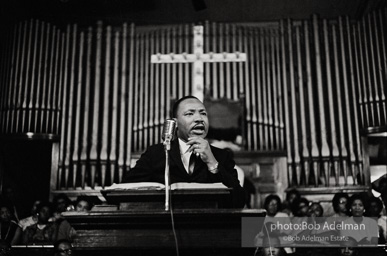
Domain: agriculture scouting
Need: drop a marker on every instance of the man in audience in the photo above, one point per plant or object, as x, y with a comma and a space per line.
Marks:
43, 232
5, 248
63, 247
9, 229
31, 220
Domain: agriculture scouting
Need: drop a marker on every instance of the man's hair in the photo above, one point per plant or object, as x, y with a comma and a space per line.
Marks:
45, 204
177, 103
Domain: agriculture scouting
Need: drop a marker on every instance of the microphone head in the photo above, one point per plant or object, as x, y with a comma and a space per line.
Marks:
169, 129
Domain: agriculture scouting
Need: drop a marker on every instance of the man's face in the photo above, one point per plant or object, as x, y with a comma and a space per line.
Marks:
271, 251
44, 215
192, 120
5, 214
64, 249
374, 209
302, 209
61, 205
347, 251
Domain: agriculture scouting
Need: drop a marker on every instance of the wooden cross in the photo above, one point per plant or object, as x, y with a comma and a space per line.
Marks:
198, 58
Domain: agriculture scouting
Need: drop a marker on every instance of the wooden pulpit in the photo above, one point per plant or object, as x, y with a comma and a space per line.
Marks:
148, 230
198, 231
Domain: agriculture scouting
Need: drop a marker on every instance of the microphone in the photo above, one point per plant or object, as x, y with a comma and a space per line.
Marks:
167, 135
169, 130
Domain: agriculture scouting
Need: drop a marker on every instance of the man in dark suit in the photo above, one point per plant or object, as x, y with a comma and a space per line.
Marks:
192, 158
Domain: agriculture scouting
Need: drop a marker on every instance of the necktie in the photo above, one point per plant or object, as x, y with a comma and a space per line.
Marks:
191, 164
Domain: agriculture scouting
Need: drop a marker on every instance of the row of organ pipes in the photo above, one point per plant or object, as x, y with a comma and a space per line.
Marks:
309, 88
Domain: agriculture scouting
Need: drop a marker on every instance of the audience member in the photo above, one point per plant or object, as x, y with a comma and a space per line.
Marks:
63, 247
291, 196
5, 248
65, 230
382, 189
356, 207
9, 197
271, 246
339, 203
273, 206
61, 204
10, 230
31, 220
43, 232
374, 210
315, 210
348, 251
300, 207
83, 204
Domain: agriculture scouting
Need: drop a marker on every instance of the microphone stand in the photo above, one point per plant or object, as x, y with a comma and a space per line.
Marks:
167, 147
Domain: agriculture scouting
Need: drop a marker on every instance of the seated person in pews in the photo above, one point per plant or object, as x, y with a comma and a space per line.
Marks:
43, 232
10, 231
339, 203
271, 246
5, 248
211, 164
272, 206
375, 207
82, 204
63, 247
61, 203
315, 210
357, 206
291, 197
30, 220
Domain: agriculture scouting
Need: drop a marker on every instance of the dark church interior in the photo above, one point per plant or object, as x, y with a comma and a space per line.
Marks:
295, 91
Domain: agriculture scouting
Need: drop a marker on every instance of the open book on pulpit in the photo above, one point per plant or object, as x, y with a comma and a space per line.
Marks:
160, 186
184, 195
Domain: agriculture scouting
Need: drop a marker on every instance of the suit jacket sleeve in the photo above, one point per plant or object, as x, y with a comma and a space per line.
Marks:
229, 176
144, 170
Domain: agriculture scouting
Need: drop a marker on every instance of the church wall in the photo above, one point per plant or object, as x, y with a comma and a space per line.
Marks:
310, 88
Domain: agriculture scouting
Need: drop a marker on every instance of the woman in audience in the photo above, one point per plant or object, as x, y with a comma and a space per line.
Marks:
365, 236
273, 206
43, 232
339, 203
10, 230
